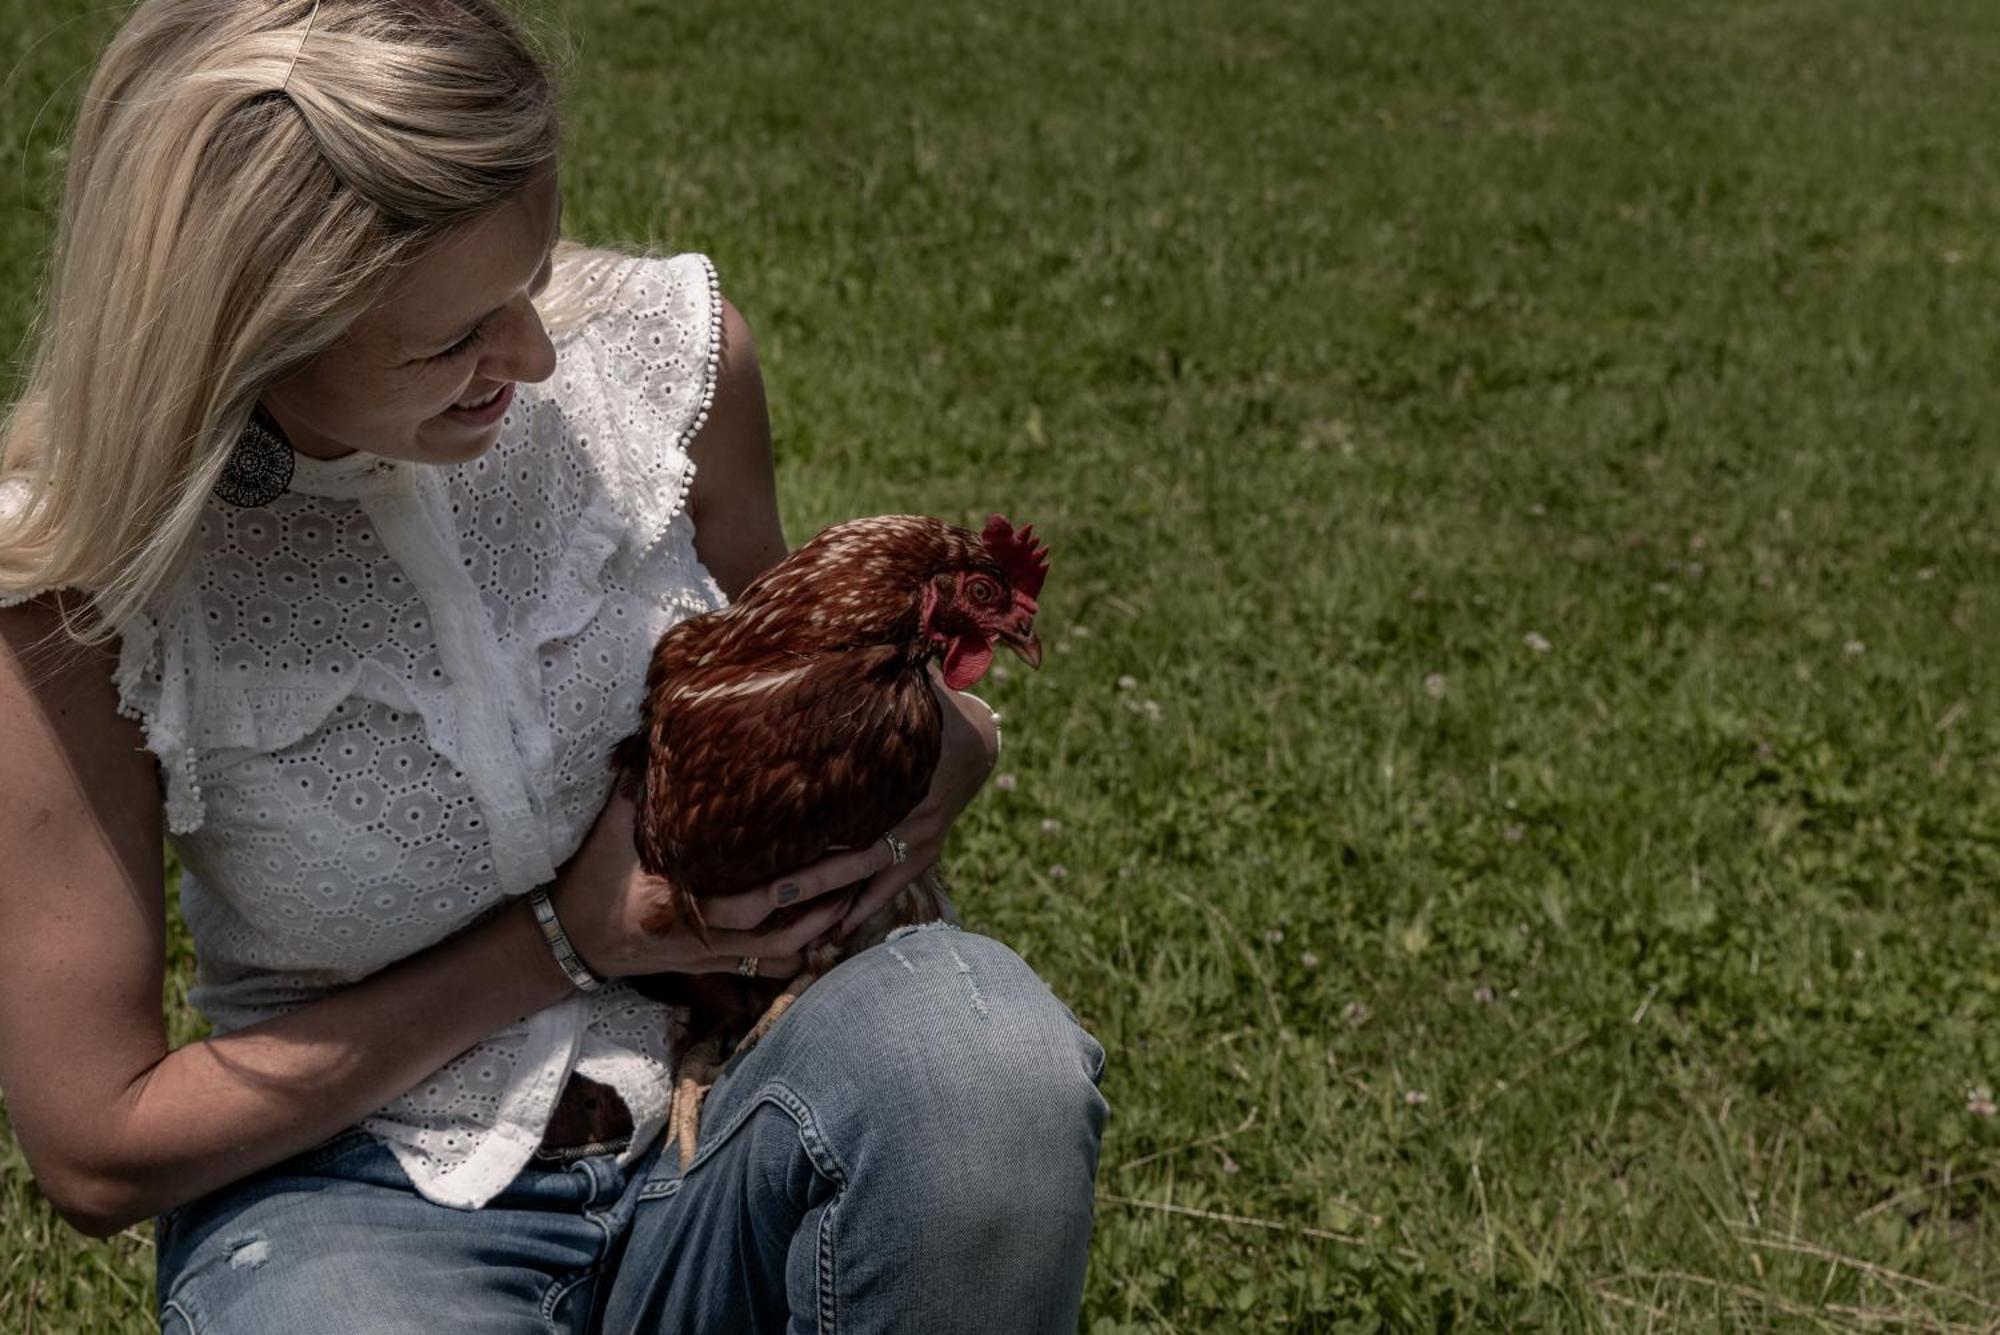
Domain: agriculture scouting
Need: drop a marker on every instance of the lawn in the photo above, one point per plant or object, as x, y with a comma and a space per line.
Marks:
1513, 786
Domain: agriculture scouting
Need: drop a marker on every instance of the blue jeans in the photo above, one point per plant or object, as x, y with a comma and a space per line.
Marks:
913, 1148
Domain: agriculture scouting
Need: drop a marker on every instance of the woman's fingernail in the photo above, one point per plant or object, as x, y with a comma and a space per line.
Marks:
787, 893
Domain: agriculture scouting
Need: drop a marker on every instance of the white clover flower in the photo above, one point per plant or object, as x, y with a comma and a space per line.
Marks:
1006, 783
1434, 686
1537, 641
1979, 1102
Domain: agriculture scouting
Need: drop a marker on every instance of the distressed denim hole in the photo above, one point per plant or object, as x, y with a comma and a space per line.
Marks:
247, 1253
971, 985
909, 929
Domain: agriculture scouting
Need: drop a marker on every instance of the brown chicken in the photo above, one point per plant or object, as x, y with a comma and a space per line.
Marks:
801, 720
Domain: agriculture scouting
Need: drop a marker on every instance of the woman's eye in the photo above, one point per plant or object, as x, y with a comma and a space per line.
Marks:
460, 348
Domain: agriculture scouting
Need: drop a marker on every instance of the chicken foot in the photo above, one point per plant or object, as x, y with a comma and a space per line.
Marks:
701, 1066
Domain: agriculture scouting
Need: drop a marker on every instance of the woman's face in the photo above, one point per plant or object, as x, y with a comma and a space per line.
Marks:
457, 326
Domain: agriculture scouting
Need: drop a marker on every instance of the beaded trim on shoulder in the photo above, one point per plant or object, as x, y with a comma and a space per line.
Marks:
711, 368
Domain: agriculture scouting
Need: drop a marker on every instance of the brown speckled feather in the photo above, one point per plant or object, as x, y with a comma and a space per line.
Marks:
798, 721
754, 775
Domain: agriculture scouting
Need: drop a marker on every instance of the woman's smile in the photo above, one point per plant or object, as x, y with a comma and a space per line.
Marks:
486, 410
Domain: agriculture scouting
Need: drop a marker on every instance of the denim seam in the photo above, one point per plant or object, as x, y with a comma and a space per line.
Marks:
776, 1092
175, 1306
829, 1311
559, 1290
602, 1218
825, 1162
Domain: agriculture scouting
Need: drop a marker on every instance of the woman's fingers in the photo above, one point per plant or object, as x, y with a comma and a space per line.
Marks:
768, 966
735, 913
742, 912
791, 939
829, 873
882, 887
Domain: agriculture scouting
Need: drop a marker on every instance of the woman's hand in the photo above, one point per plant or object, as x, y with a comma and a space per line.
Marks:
601, 895
970, 748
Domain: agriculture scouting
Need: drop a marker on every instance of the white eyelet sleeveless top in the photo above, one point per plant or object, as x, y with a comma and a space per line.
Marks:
385, 703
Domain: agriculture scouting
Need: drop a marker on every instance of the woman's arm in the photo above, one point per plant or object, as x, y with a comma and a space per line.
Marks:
738, 535
734, 499
115, 1126
118, 1128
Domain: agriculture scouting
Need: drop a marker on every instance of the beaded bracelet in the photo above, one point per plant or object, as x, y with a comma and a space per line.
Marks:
566, 956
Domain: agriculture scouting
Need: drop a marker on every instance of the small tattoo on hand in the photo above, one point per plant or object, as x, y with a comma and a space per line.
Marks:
787, 893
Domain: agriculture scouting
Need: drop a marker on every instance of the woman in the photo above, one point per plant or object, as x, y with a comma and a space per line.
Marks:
357, 500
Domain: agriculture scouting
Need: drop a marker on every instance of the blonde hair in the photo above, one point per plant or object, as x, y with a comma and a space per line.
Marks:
237, 195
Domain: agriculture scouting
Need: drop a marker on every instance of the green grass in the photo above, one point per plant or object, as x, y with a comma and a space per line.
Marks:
1346, 354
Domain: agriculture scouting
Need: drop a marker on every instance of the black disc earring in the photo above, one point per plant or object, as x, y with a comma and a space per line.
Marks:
260, 466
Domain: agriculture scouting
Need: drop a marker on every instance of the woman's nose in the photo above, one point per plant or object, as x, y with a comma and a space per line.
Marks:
520, 348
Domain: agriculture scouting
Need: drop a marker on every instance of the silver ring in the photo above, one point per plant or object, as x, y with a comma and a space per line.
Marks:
747, 966
898, 850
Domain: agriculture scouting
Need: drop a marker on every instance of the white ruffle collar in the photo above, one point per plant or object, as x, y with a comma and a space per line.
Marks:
351, 476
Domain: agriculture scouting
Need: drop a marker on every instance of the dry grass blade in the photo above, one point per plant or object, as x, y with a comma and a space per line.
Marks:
1914, 1194
1785, 1242
1248, 1122
1624, 1300
1848, 1316
1248, 1221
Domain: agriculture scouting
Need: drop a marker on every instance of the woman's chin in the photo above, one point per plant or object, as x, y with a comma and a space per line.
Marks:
447, 442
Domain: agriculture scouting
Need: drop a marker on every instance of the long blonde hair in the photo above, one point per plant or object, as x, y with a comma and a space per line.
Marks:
238, 193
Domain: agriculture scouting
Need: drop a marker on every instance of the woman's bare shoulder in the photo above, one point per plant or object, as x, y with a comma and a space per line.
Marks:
71, 755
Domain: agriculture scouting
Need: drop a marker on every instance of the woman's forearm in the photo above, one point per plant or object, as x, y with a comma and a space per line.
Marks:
967, 717
215, 1111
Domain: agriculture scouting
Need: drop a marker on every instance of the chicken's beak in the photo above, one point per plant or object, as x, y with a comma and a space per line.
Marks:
1025, 644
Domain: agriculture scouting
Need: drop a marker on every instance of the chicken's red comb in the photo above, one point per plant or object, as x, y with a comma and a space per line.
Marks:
1025, 563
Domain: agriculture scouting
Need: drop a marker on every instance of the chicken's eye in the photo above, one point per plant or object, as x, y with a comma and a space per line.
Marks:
983, 590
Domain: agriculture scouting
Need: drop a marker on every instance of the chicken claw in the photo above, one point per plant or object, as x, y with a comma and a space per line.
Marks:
700, 1066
